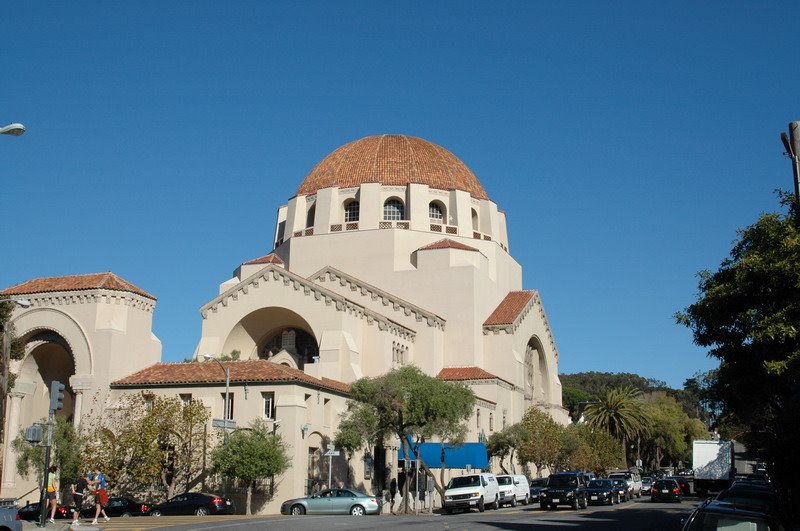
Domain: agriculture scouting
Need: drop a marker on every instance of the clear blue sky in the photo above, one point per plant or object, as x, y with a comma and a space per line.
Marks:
626, 142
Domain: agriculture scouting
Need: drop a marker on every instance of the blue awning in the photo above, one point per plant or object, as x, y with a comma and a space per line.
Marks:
472, 454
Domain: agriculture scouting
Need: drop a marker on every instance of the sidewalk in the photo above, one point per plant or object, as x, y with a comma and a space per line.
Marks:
60, 525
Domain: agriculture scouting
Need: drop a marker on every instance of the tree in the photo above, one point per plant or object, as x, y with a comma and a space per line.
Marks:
145, 437
504, 443
65, 451
17, 352
620, 413
544, 445
747, 314
250, 455
572, 398
405, 402
671, 430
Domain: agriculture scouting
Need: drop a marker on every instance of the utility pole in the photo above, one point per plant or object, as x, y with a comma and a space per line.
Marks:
56, 403
792, 145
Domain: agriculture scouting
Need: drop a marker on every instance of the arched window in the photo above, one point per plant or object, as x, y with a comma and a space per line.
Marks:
351, 209
310, 216
393, 210
474, 220
436, 212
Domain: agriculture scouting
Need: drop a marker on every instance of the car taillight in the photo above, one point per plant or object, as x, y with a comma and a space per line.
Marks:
676, 491
217, 501
62, 510
144, 508
18, 517
377, 501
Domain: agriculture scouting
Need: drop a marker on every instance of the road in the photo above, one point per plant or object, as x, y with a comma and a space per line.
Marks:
641, 515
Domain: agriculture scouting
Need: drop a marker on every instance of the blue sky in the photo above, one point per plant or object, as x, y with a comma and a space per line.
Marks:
625, 141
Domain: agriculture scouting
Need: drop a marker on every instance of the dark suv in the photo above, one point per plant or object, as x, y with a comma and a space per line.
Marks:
565, 488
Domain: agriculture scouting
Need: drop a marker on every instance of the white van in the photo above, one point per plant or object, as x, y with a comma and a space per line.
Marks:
513, 489
472, 491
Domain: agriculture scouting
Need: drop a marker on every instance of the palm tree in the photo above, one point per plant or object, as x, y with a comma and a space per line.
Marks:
620, 413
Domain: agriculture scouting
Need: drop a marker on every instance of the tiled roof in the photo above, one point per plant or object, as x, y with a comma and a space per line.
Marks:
271, 258
251, 371
392, 160
510, 308
456, 374
447, 243
107, 280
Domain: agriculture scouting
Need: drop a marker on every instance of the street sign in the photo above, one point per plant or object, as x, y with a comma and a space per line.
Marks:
331, 453
221, 423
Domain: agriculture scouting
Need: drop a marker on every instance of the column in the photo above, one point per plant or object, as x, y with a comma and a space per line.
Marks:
20, 391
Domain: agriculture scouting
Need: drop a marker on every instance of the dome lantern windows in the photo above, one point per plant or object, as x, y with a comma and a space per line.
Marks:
393, 210
351, 211
436, 212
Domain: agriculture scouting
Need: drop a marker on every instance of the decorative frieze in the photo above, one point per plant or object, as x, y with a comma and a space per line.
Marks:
94, 296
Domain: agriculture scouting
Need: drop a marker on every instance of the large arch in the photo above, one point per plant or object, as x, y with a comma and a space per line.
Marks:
274, 330
536, 358
65, 326
48, 357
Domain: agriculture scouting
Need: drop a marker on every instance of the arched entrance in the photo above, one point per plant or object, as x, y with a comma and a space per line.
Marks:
48, 357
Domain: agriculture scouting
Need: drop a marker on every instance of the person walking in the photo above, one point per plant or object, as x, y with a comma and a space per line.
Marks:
77, 488
100, 495
392, 494
52, 492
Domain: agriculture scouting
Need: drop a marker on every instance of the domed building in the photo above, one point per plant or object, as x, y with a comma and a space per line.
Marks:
391, 253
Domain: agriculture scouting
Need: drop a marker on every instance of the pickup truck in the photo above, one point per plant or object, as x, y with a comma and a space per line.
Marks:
633, 480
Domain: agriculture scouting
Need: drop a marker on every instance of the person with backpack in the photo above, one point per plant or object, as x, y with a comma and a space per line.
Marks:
100, 495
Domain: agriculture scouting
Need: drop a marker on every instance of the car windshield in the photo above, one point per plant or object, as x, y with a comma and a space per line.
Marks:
620, 476
464, 481
538, 482
600, 484
619, 482
557, 480
666, 484
504, 480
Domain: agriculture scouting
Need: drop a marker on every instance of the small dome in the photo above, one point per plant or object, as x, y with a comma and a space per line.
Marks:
392, 160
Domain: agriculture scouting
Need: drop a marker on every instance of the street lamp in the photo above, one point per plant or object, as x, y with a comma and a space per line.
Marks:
15, 129
227, 372
792, 145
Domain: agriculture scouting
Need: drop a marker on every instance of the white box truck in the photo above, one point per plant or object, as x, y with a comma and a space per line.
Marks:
712, 462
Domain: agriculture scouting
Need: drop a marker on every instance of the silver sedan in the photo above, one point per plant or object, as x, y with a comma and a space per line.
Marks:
334, 501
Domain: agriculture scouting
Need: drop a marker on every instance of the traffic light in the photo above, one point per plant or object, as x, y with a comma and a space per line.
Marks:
56, 395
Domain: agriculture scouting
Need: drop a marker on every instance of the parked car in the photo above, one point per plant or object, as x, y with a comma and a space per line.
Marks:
119, 507
334, 501
9, 516
622, 488
513, 489
762, 500
472, 491
536, 486
684, 485
31, 512
565, 488
198, 503
713, 515
602, 491
666, 490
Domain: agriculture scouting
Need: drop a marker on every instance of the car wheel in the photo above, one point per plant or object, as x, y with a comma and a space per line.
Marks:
584, 503
543, 506
481, 506
575, 502
297, 510
639, 494
357, 510
527, 499
201, 511
496, 505
448, 510
155, 513
514, 501
126, 515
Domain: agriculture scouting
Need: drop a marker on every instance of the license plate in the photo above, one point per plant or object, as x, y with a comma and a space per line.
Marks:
665, 491
555, 500
594, 497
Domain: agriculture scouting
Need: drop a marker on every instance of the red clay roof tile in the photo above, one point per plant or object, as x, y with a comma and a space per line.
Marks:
252, 371
91, 281
270, 258
392, 160
510, 308
447, 243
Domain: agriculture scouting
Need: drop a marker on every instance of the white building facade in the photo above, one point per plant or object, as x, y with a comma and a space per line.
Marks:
391, 253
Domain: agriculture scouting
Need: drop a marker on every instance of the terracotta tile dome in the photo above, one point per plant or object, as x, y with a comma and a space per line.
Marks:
392, 160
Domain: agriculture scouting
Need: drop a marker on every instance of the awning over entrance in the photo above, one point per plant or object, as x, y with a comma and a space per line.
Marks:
472, 454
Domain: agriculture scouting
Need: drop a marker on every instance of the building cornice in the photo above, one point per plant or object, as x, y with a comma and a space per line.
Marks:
273, 273
91, 296
332, 274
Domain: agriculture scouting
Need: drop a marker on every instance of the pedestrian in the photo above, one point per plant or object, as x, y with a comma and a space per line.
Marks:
77, 488
100, 495
52, 492
392, 494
